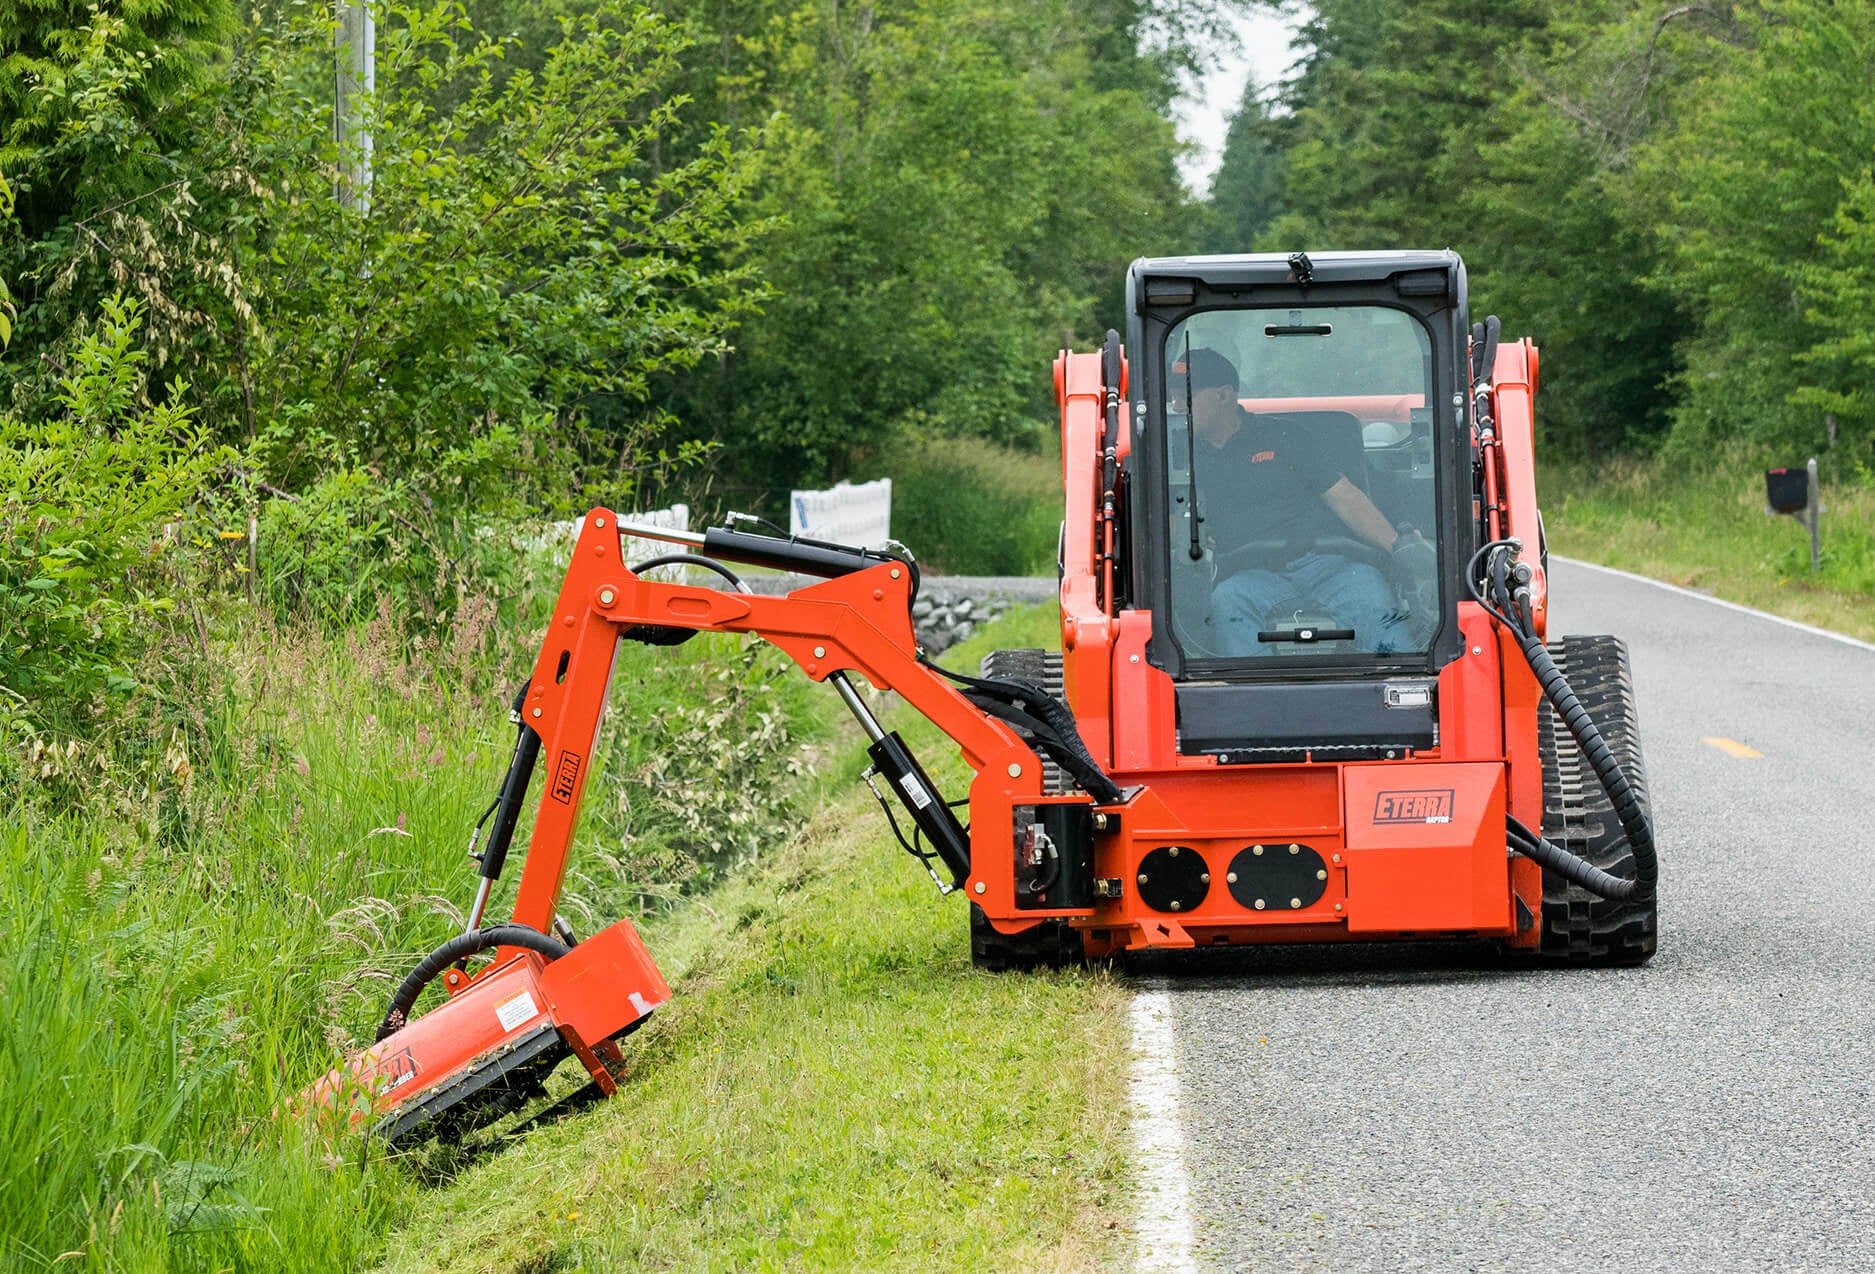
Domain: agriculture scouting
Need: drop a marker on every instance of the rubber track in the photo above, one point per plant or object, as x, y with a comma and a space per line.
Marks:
1052, 943
1579, 928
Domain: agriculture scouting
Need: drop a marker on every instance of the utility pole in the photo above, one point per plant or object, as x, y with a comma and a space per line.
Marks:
357, 80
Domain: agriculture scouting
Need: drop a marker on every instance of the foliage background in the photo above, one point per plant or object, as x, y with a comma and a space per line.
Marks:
1672, 199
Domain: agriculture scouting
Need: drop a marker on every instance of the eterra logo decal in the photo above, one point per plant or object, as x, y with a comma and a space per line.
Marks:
1427, 805
565, 775
397, 1070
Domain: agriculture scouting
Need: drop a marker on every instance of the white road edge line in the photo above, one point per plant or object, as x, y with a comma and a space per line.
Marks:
1812, 629
1162, 1231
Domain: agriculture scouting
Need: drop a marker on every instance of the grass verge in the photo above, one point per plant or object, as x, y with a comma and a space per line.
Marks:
1706, 529
832, 1087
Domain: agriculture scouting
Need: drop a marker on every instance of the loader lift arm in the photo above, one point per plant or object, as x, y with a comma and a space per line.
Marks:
856, 620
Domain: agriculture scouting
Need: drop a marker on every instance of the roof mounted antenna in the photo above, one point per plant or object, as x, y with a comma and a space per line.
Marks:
1301, 269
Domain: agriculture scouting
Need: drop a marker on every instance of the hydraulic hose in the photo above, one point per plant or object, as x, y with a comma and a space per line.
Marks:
690, 559
1588, 737
457, 948
1578, 871
1613, 779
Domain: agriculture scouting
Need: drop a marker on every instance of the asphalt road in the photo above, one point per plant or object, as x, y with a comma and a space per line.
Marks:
1415, 1108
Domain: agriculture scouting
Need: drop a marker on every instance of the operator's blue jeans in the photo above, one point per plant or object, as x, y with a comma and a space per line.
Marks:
1355, 594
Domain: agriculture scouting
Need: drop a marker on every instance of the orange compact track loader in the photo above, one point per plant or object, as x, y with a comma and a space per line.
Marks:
1304, 692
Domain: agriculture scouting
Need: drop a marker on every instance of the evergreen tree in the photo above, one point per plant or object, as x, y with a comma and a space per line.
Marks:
1246, 191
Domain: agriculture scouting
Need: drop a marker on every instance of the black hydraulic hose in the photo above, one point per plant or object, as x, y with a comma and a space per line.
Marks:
457, 948
690, 559
1608, 770
1045, 739
1588, 737
1060, 735
1579, 871
1484, 367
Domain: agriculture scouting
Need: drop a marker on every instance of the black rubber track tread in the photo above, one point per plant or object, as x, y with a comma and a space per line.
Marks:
1578, 927
1053, 943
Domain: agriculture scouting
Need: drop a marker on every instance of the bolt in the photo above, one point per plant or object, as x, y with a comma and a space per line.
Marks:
1337, 906
606, 596
981, 886
1295, 849
1322, 874
1231, 877
1259, 904
537, 712
1172, 852
820, 652
1100, 822
1174, 904
1294, 903
598, 522
1257, 850
1142, 877
896, 572
1477, 650
1132, 659
1337, 857
1204, 877
1015, 771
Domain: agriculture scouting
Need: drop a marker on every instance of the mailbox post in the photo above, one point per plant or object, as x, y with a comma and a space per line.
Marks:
1793, 491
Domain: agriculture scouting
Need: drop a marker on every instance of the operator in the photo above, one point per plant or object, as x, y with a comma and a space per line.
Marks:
1265, 482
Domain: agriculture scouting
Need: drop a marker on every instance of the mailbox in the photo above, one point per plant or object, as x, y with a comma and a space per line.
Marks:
1787, 490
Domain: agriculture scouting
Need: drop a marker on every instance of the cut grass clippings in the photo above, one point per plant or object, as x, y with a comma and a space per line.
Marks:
832, 1087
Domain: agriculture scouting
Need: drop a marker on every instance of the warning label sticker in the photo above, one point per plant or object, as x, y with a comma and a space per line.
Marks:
915, 791
516, 1011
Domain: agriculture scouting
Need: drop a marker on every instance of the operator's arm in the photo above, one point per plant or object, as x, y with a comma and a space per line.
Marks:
1352, 506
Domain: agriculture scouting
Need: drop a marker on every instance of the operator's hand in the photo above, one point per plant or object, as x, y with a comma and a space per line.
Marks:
1416, 573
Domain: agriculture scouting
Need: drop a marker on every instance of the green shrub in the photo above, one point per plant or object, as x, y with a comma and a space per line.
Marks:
93, 529
970, 507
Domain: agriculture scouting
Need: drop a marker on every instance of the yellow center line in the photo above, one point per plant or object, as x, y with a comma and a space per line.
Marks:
1732, 747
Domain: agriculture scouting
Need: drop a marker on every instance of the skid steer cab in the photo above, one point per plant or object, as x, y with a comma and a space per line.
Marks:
1304, 690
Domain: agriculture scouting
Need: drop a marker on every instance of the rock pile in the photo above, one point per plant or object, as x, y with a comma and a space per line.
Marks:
943, 622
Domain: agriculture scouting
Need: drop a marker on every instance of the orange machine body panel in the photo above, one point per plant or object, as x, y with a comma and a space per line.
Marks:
1410, 847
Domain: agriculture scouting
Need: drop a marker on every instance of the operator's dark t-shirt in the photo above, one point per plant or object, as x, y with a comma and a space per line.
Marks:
1265, 484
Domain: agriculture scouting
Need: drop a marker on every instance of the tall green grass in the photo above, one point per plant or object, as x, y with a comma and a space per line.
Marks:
1704, 527
174, 970
970, 507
